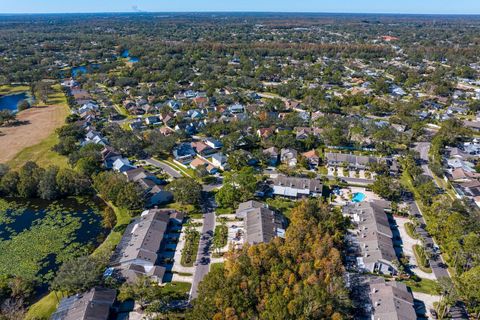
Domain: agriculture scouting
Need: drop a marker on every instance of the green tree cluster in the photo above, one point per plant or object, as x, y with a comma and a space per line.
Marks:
299, 277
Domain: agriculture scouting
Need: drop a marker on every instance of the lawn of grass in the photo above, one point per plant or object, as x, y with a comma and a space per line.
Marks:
177, 287
220, 237
183, 170
422, 260
410, 229
123, 219
189, 252
45, 307
424, 286
42, 153
11, 89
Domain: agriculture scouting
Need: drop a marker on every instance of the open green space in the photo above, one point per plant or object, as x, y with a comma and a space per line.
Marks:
422, 285
42, 152
11, 89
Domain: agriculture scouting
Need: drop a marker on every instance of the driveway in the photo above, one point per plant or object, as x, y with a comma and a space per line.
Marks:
165, 167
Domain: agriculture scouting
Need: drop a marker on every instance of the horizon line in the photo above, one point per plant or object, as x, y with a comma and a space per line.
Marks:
232, 12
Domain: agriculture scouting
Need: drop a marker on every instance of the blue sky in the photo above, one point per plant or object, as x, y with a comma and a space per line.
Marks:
355, 6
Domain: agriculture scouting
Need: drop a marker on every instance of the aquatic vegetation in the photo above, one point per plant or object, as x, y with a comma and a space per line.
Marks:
37, 236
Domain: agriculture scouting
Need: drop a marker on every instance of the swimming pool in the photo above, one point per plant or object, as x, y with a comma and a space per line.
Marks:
358, 197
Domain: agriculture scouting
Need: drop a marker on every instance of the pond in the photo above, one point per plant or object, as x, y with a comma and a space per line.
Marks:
126, 54
37, 236
10, 102
85, 69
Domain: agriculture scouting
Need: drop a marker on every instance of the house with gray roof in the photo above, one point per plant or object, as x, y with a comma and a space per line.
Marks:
293, 187
390, 300
95, 304
357, 162
262, 225
373, 237
245, 207
138, 251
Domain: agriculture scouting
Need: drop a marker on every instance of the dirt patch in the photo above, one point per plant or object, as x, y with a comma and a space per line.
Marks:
36, 125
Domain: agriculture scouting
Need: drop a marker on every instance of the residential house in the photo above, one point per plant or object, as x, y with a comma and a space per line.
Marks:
313, 160
152, 120
154, 193
121, 165
236, 108
245, 207
184, 153
289, 156
95, 304
359, 162
138, 252
374, 237
273, 155
293, 187
213, 143
199, 163
303, 133
262, 225
265, 133
202, 148
390, 300
220, 161
109, 155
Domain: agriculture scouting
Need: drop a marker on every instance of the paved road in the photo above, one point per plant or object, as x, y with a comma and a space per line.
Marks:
204, 248
165, 167
436, 263
423, 149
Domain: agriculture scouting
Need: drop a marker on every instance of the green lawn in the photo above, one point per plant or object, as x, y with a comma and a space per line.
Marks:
422, 260
410, 229
177, 287
217, 265
184, 171
11, 89
123, 219
424, 286
189, 252
44, 308
42, 153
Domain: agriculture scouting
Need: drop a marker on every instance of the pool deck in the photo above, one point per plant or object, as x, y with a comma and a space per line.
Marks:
347, 194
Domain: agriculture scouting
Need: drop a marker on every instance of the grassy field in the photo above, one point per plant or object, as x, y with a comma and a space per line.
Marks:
10, 89
44, 308
40, 152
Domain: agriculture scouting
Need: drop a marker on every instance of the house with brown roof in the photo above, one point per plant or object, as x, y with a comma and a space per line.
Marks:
313, 159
